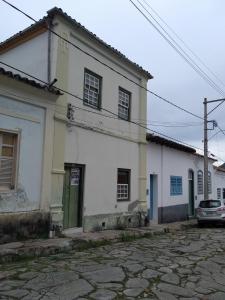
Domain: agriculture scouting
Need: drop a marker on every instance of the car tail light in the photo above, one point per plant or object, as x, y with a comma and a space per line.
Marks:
199, 209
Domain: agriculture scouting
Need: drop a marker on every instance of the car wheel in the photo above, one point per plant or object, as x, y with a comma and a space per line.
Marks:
200, 223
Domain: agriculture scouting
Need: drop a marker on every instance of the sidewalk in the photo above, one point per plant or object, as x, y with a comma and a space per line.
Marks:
44, 247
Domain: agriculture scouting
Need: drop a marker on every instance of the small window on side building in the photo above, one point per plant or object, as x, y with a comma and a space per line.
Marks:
200, 182
175, 185
123, 185
8, 156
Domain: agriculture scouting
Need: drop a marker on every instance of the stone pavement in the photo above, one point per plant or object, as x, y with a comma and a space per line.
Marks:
42, 247
182, 265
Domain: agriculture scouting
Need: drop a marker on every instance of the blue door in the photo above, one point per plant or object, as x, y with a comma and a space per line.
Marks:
151, 197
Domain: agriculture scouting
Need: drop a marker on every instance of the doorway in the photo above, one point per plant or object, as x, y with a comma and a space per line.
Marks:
73, 196
191, 204
153, 211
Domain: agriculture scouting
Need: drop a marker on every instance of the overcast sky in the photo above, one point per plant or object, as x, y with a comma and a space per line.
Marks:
200, 23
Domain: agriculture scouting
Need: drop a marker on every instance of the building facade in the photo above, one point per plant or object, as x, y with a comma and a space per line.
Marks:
99, 156
175, 180
26, 146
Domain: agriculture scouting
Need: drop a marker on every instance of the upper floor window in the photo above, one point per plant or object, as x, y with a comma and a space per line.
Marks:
175, 185
8, 155
209, 183
200, 182
124, 104
92, 89
123, 184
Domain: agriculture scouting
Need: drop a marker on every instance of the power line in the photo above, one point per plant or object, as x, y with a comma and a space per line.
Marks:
103, 109
184, 43
181, 52
109, 67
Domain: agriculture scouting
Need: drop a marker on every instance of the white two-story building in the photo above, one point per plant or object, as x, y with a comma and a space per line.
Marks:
99, 156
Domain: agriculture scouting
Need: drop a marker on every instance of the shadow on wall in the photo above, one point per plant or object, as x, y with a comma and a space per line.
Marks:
21, 226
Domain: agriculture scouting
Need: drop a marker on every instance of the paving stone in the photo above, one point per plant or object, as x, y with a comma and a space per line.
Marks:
164, 296
133, 292
48, 280
134, 268
151, 274
17, 293
137, 283
109, 274
217, 296
72, 290
176, 290
171, 278
103, 295
110, 285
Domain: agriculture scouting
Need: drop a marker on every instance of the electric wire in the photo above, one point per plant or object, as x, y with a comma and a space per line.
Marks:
181, 52
103, 109
109, 67
183, 42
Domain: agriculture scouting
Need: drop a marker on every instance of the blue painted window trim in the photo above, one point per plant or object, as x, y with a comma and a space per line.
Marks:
176, 185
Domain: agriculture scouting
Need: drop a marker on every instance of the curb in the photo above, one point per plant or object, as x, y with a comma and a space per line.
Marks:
36, 248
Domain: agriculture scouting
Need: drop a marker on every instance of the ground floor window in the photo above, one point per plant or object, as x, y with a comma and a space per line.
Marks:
175, 185
223, 193
8, 156
123, 185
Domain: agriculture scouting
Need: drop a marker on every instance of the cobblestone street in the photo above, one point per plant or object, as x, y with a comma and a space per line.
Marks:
182, 265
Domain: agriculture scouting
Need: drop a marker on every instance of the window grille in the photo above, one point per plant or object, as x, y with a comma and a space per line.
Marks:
92, 89
124, 104
200, 182
7, 160
123, 182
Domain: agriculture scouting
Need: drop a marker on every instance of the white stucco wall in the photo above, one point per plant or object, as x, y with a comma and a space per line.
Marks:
30, 57
219, 182
165, 162
102, 155
30, 112
107, 143
29, 125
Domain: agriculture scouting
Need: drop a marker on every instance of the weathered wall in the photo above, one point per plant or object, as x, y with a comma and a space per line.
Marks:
28, 120
165, 162
30, 57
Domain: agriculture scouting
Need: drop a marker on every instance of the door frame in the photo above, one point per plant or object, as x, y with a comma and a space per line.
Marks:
81, 193
191, 194
153, 197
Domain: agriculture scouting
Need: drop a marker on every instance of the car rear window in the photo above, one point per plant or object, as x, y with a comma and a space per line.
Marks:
210, 203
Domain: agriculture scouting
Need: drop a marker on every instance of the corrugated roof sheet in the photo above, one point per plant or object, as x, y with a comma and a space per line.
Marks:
29, 81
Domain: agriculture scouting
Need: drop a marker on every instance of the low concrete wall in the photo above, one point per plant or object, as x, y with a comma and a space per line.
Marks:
113, 221
20, 226
173, 213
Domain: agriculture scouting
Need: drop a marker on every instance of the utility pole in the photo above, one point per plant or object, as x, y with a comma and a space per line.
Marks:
214, 124
206, 194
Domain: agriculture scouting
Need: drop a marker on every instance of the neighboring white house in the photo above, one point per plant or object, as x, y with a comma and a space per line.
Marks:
175, 180
219, 182
99, 159
26, 147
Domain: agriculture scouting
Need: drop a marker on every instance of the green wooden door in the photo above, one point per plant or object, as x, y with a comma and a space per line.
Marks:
191, 207
72, 196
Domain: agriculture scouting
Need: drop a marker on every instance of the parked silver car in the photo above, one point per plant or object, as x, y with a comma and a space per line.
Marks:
210, 211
